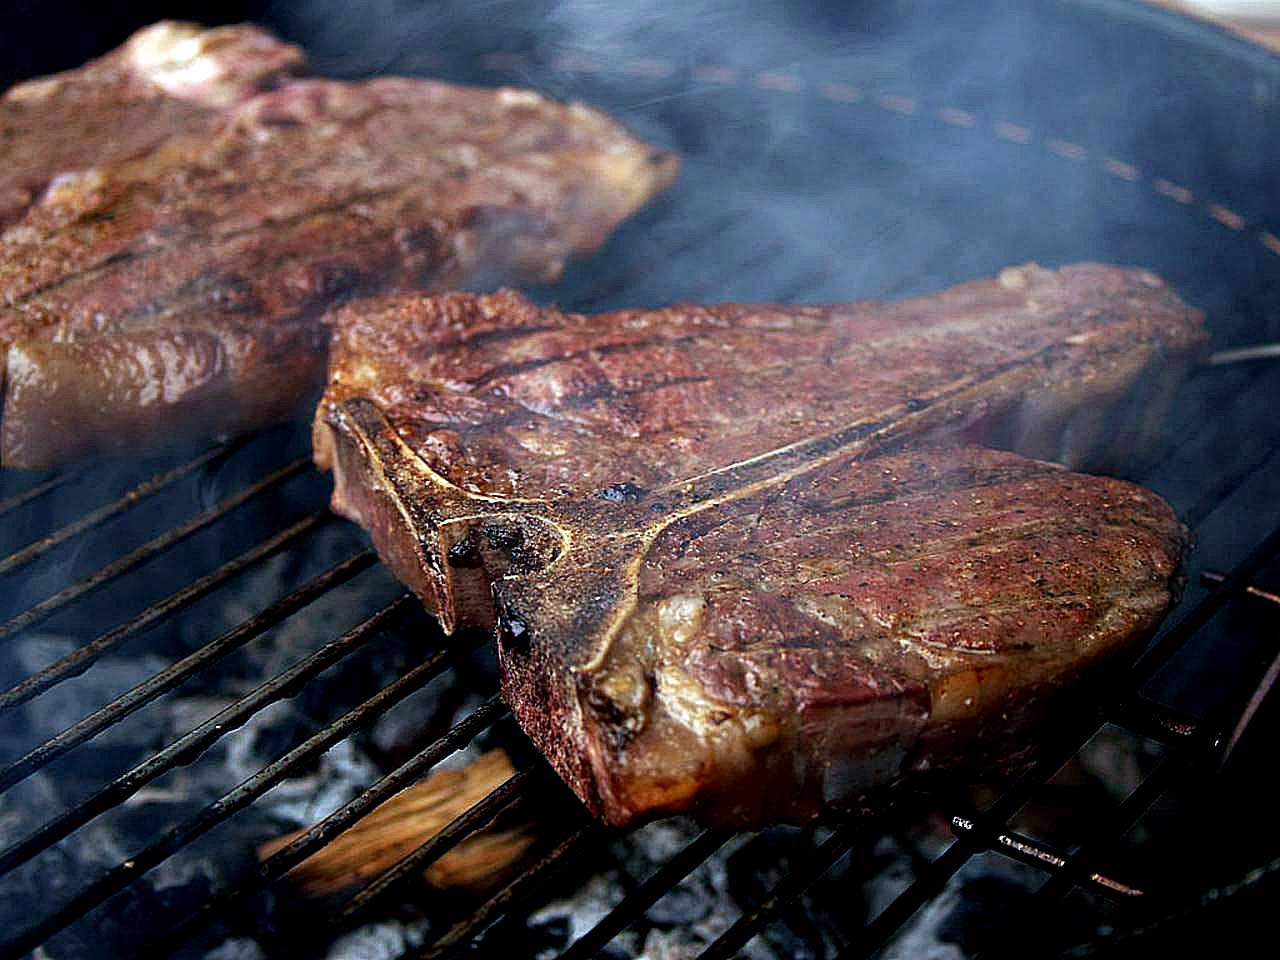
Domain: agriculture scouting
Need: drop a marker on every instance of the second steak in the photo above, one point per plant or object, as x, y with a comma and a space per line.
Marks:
180, 294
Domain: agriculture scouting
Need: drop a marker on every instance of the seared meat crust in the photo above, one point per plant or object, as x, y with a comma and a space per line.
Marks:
179, 294
168, 80
732, 569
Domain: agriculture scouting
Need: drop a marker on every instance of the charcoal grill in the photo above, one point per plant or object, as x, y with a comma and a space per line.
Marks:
830, 154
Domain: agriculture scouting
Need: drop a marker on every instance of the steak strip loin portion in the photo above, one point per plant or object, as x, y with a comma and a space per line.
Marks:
735, 565
179, 294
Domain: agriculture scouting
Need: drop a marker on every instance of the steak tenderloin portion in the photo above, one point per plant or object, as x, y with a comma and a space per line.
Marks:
167, 80
180, 294
734, 569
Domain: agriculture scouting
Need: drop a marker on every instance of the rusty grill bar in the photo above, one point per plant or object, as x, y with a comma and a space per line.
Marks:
1193, 743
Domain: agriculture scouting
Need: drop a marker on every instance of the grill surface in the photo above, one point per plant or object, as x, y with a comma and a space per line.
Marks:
883, 165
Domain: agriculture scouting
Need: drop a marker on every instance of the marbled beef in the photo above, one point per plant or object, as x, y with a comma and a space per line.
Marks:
740, 560
179, 293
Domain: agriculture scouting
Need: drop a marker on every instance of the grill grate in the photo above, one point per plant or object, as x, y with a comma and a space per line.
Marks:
791, 236
166, 680
1193, 742
518, 891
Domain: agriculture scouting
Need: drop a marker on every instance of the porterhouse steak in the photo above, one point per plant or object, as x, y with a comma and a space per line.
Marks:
735, 564
180, 293
167, 80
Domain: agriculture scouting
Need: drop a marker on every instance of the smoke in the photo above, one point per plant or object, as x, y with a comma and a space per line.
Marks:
831, 151
837, 151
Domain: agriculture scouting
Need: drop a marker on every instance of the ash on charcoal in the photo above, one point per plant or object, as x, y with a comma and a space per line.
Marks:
1089, 787
237, 948
679, 925
759, 863
399, 728
215, 861
325, 618
343, 772
421, 719
60, 707
573, 916
387, 940
800, 931
654, 844
688, 902
890, 871
973, 914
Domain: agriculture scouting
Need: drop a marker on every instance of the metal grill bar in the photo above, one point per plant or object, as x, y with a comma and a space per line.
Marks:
1251, 708
1236, 582
39, 490
170, 538
169, 678
104, 513
249, 790
1172, 730
1213, 577
1071, 870
931, 882
79, 660
517, 890
286, 858
410, 867
1158, 723
1221, 719
634, 904
748, 926
191, 745
1036, 853
1125, 816
1068, 870
1216, 897
1216, 407
788, 889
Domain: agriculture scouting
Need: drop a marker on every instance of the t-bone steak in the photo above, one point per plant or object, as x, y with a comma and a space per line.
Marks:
746, 561
167, 80
180, 293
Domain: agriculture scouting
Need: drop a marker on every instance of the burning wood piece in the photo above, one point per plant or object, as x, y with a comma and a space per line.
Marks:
410, 819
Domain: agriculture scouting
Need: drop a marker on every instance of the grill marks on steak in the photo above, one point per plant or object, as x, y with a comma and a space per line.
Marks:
168, 80
561, 403
187, 285
730, 569
792, 658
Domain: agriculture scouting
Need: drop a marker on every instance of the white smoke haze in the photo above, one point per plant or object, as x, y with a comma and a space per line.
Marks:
960, 110
788, 193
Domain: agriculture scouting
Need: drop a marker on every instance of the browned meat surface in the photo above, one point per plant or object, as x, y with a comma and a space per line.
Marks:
167, 80
732, 570
180, 294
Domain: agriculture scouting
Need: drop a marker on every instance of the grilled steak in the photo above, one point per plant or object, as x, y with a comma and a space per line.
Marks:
167, 80
180, 293
731, 569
